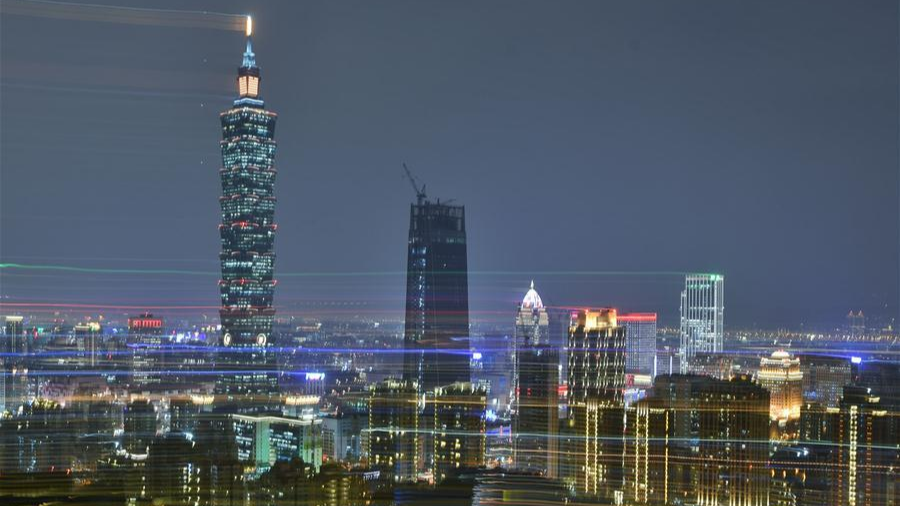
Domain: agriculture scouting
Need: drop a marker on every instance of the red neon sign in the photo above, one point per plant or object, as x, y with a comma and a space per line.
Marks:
637, 317
144, 323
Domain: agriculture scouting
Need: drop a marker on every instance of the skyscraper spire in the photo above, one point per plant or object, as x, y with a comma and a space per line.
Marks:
248, 73
249, 56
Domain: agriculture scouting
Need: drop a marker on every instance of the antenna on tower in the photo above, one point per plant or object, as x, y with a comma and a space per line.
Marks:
420, 190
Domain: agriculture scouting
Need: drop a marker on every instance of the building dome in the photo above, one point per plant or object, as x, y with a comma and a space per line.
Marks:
532, 300
781, 354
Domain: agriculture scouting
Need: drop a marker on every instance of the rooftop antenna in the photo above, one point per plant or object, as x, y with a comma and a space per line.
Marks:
420, 190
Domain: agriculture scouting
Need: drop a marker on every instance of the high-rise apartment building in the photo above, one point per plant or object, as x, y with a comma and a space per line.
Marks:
141, 423
867, 449
594, 437
824, 378
699, 440
437, 296
702, 315
640, 343
459, 428
394, 430
248, 233
536, 400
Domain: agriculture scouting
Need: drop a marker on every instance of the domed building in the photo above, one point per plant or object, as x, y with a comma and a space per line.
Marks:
536, 389
780, 374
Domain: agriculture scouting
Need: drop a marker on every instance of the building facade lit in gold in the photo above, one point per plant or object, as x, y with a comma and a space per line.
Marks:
780, 374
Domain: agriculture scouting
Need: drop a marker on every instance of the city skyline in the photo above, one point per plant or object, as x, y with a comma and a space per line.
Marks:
624, 178
787, 295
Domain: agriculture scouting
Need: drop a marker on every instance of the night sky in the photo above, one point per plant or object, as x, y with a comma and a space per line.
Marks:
754, 139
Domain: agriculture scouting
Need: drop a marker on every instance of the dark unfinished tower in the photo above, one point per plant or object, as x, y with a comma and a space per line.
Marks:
248, 234
436, 337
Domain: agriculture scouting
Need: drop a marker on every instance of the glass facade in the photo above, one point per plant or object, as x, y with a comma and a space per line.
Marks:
437, 296
702, 315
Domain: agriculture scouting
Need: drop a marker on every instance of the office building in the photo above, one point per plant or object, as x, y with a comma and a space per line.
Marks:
263, 439
247, 233
594, 435
146, 339
87, 342
640, 343
14, 339
536, 393
342, 436
437, 296
702, 314
532, 321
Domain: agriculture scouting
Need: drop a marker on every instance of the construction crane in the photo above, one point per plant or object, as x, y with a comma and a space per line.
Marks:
420, 190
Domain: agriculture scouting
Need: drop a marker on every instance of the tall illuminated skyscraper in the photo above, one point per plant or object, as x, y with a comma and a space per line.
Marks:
536, 420
596, 417
437, 296
702, 314
248, 234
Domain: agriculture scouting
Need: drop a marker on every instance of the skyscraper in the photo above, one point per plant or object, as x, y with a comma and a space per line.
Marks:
702, 314
536, 420
437, 296
248, 234
640, 342
596, 417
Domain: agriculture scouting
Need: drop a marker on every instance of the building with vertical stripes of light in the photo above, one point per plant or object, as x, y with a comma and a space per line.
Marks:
702, 315
594, 430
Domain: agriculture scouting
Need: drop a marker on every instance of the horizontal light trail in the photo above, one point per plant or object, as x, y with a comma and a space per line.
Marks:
188, 272
125, 15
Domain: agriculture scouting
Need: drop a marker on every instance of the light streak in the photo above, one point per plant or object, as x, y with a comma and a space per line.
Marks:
124, 15
98, 270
